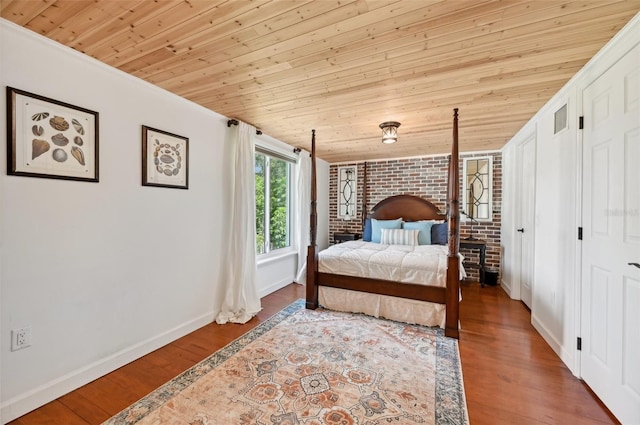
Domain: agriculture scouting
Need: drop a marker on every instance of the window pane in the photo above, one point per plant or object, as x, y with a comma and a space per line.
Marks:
278, 203
478, 188
260, 167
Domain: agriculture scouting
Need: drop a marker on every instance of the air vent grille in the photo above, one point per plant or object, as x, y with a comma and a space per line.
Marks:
560, 119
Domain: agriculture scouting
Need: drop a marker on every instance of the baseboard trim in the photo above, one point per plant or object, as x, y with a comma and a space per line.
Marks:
566, 357
24, 403
263, 292
506, 287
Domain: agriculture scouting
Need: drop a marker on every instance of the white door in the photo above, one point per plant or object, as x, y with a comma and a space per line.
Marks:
526, 214
610, 317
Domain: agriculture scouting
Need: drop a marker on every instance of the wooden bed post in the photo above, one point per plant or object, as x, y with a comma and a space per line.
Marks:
364, 198
312, 250
453, 260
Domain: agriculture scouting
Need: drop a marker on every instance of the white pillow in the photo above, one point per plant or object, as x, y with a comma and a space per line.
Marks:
399, 237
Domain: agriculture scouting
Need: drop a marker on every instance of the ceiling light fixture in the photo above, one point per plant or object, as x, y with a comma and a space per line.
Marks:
389, 131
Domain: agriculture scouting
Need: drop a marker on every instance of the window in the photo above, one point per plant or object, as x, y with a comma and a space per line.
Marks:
477, 185
273, 201
347, 198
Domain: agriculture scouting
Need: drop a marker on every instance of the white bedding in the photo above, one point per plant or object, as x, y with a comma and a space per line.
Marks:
422, 264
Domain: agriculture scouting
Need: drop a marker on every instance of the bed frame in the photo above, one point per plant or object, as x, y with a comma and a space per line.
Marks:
410, 208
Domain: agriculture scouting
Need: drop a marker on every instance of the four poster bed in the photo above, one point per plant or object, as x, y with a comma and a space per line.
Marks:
399, 280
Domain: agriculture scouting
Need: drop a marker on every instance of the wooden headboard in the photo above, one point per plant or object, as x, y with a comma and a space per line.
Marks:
409, 207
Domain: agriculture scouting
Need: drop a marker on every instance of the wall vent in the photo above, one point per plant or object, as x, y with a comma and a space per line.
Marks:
560, 119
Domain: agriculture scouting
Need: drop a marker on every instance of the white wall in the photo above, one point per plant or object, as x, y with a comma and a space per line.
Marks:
104, 272
556, 287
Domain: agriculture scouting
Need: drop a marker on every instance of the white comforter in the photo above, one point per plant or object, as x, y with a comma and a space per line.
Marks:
422, 264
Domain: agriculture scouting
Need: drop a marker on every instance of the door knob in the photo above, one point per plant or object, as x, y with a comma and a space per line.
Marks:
635, 264
521, 230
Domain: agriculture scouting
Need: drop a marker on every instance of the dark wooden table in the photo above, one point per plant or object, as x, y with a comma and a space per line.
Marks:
481, 246
342, 237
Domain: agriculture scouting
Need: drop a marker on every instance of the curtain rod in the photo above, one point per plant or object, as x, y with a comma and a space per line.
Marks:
234, 121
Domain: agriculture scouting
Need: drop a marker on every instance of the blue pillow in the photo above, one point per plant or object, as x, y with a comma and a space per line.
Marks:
424, 236
366, 235
440, 234
376, 225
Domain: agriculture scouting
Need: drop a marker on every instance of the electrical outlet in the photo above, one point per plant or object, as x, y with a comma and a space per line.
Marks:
20, 338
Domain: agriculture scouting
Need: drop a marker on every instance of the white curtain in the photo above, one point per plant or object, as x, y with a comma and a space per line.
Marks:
241, 301
303, 209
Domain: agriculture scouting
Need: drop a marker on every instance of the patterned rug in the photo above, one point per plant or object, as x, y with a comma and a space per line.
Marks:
316, 367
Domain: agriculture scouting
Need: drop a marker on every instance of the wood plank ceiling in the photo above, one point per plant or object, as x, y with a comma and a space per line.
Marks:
344, 66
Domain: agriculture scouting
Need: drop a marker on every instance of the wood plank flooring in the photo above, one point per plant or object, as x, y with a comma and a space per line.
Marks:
511, 375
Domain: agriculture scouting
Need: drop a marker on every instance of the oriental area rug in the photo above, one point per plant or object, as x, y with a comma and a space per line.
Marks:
305, 367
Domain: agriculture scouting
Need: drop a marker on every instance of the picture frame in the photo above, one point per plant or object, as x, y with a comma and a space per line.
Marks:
165, 159
51, 139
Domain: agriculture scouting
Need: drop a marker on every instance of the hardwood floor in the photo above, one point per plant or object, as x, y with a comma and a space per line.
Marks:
511, 375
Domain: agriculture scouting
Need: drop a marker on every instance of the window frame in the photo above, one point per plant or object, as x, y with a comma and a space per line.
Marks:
465, 185
347, 182
270, 155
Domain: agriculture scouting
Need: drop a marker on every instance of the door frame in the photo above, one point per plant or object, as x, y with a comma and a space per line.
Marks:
516, 292
581, 260
592, 72
577, 287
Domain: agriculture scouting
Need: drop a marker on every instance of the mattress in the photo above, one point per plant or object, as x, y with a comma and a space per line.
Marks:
422, 264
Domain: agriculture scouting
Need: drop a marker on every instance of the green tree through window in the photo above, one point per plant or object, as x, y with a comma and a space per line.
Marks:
272, 203
260, 204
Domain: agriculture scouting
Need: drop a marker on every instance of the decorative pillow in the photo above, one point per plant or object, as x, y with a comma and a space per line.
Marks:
377, 225
366, 234
440, 234
399, 237
424, 237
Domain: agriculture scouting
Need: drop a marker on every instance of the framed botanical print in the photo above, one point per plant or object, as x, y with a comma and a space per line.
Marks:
165, 159
49, 138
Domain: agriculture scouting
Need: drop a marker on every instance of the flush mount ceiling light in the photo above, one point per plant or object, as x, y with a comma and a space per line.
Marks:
389, 131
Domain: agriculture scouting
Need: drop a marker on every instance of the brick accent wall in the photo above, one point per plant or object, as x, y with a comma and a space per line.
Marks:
425, 177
